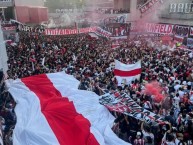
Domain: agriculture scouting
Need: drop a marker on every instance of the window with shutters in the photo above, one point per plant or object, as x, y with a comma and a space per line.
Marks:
187, 8
173, 8
180, 8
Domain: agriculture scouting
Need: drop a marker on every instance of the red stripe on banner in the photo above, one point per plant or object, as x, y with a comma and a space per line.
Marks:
69, 127
127, 73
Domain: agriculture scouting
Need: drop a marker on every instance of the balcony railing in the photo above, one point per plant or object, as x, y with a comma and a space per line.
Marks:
182, 16
176, 16
6, 3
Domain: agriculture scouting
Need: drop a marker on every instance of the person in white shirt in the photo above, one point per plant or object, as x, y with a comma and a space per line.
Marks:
177, 86
190, 55
191, 98
176, 101
176, 104
146, 132
181, 93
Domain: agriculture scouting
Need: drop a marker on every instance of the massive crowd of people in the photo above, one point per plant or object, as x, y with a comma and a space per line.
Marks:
91, 61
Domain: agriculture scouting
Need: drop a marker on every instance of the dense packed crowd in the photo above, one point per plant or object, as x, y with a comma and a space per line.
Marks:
91, 61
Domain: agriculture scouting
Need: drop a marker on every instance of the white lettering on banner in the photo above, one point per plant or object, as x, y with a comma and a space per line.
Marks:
124, 104
31, 29
26, 28
75, 31
159, 28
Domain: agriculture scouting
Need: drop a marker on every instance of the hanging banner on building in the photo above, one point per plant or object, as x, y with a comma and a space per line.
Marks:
149, 5
159, 28
190, 42
123, 103
181, 30
69, 31
96, 30
191, 31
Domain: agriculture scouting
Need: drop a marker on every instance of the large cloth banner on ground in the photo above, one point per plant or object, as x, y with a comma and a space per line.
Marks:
51, 110
190, 42
181, 30
123, 103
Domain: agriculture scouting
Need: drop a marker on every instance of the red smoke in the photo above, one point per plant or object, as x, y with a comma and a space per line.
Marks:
154, 89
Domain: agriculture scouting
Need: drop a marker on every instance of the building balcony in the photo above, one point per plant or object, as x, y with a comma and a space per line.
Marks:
6, 3
179, 16
179, 11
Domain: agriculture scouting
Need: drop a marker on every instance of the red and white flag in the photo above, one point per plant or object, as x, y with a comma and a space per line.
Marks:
51, 110
115, 45
127, 73
10, 42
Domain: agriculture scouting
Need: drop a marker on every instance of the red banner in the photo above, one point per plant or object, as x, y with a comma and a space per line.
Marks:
76, 31
148, 5
159, 28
